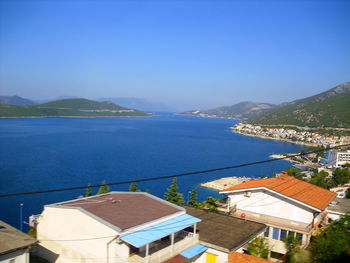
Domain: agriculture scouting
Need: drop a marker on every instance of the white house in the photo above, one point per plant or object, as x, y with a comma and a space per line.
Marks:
288, 206
115, 227
14, 245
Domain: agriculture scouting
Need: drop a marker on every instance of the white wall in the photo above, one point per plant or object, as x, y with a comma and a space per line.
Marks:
20, 256
68, 227
267, 203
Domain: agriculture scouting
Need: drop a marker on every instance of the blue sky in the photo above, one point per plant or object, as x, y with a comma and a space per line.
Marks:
192, 54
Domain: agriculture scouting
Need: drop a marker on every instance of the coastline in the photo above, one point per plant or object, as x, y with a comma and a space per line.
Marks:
276, 139
225, 182
35, 117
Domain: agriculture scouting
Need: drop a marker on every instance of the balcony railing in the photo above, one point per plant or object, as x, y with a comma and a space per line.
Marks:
163, 250
273, 221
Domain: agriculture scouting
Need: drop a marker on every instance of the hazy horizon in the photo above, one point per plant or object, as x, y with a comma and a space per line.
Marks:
185, 54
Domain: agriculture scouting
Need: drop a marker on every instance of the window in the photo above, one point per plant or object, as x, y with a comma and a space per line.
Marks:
12, 260
283, 234
267, 231
276, 233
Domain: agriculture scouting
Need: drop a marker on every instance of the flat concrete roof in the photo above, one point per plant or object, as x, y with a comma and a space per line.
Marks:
224, 232
124, 209
12, 239
339, 205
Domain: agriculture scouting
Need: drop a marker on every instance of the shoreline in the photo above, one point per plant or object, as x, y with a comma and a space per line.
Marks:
225, 182
37, 117
275, 139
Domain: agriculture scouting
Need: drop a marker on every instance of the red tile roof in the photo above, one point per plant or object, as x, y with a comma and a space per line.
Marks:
291, 187
236, 257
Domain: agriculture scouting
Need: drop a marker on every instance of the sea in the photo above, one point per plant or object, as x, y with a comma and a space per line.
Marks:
48, 153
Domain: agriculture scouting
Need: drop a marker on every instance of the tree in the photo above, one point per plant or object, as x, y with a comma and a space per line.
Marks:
321, 179
172, 195
332, 245
259, 247
211, 204
133, 187
104, 188
88, 190
340, 176
193, 198
291, 244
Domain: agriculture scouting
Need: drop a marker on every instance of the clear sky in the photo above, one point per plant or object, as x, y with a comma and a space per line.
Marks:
193, 54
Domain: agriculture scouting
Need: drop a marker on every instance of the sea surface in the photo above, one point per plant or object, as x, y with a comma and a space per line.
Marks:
48, 153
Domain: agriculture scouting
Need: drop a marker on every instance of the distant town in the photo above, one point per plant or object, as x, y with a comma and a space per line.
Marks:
290, 135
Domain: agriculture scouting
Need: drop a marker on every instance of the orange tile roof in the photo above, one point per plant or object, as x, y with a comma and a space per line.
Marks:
236, 257
289, 186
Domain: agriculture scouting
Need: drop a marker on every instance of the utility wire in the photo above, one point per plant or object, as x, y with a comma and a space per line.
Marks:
174, 175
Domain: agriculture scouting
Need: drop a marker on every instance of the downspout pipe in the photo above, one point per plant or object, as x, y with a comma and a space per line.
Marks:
108, 243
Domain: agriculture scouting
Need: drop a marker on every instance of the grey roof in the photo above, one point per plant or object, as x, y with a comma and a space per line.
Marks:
224, 232
339, 205
12, 239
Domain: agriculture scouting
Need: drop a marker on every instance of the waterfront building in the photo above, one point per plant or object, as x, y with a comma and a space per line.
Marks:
117, 227
288, 206
337, 158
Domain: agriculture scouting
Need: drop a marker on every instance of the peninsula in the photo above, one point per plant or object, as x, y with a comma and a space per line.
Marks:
70, 108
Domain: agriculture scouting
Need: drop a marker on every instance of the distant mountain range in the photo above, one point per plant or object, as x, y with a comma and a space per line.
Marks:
138, 103
239, 111
69, 108
327, 109
15, 100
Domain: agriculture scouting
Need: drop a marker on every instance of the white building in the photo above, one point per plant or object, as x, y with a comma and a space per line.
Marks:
14, 245
116, 227
288, 206
338, 158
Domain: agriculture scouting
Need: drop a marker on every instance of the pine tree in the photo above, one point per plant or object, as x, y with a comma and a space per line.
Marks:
133, 187
88, 190
104, 188
193, 198
211, 204
172, 195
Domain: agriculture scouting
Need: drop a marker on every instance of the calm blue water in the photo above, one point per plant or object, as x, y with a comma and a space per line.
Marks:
44, 153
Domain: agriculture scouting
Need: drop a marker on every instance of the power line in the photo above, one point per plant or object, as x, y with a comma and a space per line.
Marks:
174, 175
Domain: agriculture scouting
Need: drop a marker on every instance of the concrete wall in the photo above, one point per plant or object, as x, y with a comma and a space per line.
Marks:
69, 235
267, 203
20, 256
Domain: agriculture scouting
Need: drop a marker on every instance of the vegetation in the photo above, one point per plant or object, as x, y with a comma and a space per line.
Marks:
133, 187
69, 107
211, 204
328, 109
240, 111
104, 188
333, 244
193, 198
172, 195
322, 179
88, 190
259, 247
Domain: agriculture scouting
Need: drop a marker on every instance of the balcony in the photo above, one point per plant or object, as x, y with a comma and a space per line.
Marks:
162, 250
274, 221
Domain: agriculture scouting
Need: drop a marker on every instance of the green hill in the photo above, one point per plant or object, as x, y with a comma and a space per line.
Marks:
69, 108
15, 100
239, 111
327, 109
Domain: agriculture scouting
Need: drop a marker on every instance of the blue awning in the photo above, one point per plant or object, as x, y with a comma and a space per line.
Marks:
194, 251
158, 231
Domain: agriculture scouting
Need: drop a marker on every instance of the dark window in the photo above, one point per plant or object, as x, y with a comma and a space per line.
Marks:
267, 231
276, 233
283, 234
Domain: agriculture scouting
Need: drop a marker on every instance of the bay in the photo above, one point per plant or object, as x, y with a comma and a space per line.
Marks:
47, 153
